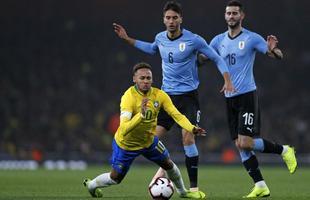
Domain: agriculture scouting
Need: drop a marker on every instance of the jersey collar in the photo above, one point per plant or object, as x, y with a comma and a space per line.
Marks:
172, 39
232, 38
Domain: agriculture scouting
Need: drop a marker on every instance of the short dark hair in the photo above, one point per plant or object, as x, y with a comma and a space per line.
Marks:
173, 5
235, 3
141, 65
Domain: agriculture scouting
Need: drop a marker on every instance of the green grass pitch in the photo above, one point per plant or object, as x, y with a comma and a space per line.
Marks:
219, 182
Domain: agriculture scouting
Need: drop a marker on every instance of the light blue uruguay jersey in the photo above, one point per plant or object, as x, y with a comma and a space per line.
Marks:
239, 54
179, 59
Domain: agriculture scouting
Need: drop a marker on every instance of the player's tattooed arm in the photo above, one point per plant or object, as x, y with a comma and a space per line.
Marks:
273, 50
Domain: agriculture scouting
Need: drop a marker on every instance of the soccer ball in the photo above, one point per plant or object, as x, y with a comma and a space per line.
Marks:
161, 189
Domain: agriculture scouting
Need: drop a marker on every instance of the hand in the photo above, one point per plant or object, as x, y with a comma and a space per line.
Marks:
228, 87
120, 31
272, 42
199, 131
273, 50
144, 106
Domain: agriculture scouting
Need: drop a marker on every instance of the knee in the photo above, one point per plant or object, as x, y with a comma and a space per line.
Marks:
188, 139
116, 177
167, 165
244, 145
237, 144
117, 180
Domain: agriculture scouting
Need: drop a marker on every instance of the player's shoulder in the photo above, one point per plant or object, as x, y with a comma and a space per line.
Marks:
158, 92
128, 96
218, 39
129, 92
250, 33
220, 36
193, 37
187, 32
190, 34
161, 35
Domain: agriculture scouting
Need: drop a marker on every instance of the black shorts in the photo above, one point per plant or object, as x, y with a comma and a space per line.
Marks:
187, 104
243, 115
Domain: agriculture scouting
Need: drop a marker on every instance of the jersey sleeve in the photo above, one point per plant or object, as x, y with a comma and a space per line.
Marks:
175, 114
214, 43
260, 43
205, 49
127, 122
146, 47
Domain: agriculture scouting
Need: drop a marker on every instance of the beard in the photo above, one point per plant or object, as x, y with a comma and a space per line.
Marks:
235, 25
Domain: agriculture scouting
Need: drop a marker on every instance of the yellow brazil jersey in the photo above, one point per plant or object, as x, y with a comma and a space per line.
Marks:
136, 132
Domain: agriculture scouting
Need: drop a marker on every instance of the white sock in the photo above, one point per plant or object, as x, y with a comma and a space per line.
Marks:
103, 180
175, 176
260, 184
285, 148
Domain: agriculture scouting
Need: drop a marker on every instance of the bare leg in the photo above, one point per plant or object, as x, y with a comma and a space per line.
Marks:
174, 175
160, 173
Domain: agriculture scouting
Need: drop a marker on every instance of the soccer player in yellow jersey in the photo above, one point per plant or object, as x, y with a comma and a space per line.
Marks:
135, 136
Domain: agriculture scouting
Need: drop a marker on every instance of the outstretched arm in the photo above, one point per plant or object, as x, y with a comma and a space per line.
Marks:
121, 32
143, 46
273, 50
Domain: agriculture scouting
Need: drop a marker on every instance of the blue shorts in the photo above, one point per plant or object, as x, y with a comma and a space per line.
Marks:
122, 159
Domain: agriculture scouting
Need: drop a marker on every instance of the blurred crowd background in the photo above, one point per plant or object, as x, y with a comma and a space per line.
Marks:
63, 71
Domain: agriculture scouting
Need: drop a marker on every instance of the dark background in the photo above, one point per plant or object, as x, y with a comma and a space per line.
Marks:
63, 71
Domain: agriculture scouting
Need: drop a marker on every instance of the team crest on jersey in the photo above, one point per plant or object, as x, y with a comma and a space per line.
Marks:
156, 104
241, 45
182, 46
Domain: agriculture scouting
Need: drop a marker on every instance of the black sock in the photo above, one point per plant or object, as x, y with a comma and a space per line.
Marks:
251, 165
192, 170
272, 147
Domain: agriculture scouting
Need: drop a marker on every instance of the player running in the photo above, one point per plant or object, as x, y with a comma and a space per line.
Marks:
238, 47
